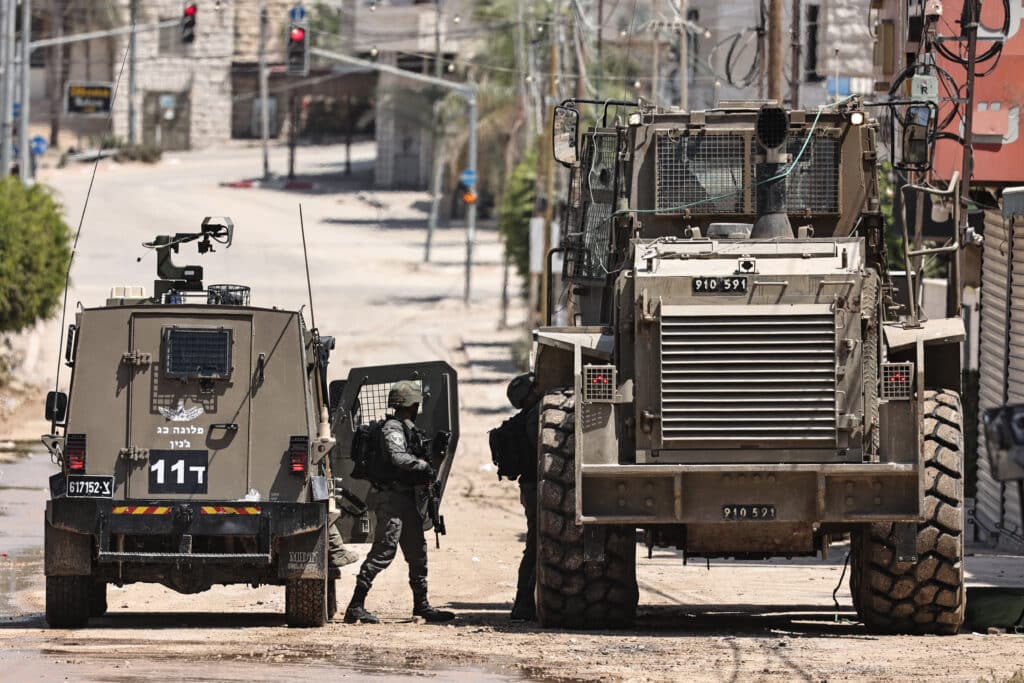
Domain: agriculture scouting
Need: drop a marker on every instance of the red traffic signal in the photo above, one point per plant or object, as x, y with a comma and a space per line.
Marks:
188, 22
297, 34
190, 9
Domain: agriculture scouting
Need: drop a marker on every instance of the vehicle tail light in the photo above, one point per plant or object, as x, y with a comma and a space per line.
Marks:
298, 454
74, 453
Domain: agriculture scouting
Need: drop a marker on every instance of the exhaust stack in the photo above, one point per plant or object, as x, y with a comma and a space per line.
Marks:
770, 196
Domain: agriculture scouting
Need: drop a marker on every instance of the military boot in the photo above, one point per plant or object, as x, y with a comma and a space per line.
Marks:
356, 613
523, 609
421, 608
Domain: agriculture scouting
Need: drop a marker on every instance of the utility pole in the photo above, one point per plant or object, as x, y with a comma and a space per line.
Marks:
972, 14
794, 67
133, 19
775, 50
5, 74
264, 88
549, 163
684, 59
25, 159
655, 58
438, 174
600, 31
9, 78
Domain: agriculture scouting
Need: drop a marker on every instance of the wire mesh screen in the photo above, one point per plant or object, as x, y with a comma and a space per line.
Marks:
597, 187
191, 352
372, 402
897, 381
813, 185
703, 173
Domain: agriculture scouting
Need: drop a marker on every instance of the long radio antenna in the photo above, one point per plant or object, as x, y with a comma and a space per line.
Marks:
78, 232
305, 255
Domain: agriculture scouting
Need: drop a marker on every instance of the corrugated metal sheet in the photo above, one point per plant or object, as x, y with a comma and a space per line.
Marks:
1001, 362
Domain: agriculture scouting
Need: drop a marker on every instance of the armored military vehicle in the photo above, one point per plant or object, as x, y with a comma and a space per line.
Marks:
737, 375
194, 444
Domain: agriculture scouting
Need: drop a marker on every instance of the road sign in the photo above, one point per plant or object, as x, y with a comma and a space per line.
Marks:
297, 13
39, 145
468, 177
88, 99
16, 110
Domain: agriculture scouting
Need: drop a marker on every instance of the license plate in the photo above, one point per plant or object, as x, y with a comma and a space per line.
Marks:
178, 471
720, 285
745, 513
90, 486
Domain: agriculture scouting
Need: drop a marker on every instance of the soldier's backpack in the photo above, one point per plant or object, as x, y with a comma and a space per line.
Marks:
511, 450
367, 450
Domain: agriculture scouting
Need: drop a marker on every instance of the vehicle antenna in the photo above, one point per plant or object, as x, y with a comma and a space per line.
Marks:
78, 232
305, 255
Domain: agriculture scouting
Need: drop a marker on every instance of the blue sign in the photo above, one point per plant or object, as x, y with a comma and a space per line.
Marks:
297, 13
16, 110
39, 145
468, 177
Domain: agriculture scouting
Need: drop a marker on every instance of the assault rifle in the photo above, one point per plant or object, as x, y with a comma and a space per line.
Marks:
438, 449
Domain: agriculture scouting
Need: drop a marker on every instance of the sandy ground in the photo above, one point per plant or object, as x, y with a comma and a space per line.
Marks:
732, 621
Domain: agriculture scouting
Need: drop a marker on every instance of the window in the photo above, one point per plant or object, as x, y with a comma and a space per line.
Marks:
811, 74
203, 353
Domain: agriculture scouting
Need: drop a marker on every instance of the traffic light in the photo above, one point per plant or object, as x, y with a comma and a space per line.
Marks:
467, 193
188, 22
297, 52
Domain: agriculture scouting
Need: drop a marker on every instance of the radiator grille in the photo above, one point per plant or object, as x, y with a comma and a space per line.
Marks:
765, 380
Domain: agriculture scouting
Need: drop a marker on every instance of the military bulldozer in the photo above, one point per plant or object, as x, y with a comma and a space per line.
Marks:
195, 444
739, 373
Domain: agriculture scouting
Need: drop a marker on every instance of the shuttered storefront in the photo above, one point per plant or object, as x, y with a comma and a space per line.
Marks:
998, 510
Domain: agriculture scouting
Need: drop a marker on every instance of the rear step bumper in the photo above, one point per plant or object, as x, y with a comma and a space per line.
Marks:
797, 493
213, 558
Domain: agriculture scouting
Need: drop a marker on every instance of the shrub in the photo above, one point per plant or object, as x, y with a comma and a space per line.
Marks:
34, 254
515, 211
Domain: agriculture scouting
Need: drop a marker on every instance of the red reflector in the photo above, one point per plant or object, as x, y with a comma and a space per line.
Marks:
74, 452
297, 34
298, 454
190, 10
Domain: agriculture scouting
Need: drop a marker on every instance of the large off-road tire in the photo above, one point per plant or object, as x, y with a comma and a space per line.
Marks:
98, 599
927, 596
68, 601
305, 602
572, 593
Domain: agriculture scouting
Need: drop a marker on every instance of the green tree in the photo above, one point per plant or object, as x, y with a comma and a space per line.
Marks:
515, 210
34, 254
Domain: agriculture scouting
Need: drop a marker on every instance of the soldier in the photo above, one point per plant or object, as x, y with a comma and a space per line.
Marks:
523, 395
398, 500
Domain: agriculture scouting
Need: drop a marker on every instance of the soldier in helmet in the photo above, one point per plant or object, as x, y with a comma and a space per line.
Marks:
397, 499
523, 395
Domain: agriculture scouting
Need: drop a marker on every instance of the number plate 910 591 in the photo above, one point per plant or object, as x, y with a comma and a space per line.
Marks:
735, 284
745, 513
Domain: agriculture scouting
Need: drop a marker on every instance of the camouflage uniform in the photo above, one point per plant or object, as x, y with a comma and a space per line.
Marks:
398, 512
399, 502
337, 554
522, 394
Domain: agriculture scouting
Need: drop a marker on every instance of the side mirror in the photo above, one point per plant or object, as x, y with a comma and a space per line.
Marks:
918, 134
564, 130
334, 391
56, 406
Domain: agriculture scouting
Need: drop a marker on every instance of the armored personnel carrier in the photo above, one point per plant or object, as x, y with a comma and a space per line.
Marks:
194, 444
739, 375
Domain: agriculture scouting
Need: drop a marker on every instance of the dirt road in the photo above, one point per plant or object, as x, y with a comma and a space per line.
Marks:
734, 621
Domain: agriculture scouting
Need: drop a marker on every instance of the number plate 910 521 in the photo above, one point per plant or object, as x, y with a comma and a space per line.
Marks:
736, 284
745, 513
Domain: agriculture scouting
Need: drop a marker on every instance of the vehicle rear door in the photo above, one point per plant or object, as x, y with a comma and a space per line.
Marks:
189, 406
363, 398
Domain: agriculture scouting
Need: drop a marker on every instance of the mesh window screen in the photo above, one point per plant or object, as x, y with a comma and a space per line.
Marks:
693, 169
197, 352
598, 189
372, 402
813, 184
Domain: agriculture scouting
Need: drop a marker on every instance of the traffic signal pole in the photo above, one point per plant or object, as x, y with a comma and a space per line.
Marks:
10, 19
25, 155
468, 93
132, 17
264, 88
